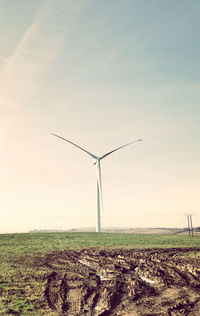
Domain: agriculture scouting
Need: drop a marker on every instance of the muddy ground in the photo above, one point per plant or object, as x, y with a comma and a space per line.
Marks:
123, 282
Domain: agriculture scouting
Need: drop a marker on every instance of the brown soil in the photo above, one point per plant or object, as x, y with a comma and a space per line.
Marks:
123, 282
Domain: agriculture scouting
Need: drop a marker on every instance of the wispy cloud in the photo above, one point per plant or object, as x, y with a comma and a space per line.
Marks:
40, 46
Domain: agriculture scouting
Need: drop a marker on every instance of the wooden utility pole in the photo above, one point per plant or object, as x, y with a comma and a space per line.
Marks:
191, 225
188, 221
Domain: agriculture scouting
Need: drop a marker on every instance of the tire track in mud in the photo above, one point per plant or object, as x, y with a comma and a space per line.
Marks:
124, 282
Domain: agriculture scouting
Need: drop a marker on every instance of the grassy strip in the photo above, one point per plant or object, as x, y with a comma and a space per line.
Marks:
12, 245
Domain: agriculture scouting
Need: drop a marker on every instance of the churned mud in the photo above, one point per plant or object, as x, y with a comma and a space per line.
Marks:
123, 282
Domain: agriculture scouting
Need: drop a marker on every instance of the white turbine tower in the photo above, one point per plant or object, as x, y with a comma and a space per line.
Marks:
99, 184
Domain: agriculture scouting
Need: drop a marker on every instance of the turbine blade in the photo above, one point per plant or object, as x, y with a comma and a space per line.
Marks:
95, 157
100, 184
112, 151
98, 225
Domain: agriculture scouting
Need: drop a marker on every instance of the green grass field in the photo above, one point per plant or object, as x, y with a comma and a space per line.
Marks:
22, 286
15, 245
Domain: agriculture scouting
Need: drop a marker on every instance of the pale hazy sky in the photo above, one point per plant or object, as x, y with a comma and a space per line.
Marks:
100, 73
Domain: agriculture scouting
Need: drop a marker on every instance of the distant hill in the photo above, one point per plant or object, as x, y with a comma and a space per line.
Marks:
153, 230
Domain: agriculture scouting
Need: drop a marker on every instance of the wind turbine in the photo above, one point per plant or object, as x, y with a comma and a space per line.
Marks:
99, 183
